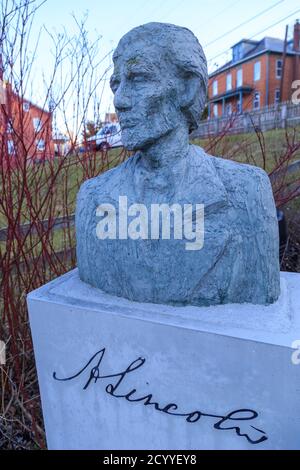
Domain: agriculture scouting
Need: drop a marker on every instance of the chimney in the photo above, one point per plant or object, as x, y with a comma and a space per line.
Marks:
296, 46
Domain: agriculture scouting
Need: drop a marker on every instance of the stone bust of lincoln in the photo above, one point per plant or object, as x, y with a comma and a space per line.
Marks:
160, 87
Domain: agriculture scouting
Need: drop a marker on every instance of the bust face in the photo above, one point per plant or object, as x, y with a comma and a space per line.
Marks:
146, 94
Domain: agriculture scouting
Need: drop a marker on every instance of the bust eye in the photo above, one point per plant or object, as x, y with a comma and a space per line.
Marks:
114, 85
137, 78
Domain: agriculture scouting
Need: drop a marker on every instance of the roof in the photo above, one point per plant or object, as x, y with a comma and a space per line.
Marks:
266, 45
248, 41
23, 99
272, 45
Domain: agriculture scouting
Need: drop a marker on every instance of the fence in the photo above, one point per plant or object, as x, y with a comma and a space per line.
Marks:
278, 116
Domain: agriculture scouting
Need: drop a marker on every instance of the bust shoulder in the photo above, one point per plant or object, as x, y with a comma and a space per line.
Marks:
246, 184
106, 183
231, 172
229, 169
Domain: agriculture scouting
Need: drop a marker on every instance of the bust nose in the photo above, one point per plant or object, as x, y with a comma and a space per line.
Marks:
122, 99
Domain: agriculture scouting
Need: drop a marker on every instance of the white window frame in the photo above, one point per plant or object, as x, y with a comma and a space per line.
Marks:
239, 78
11, 147
9, 128
215, 87
215, 110
256, 99
41, 145
37, 124
257, 71
277, 96
228, 82
2, 92
278, 71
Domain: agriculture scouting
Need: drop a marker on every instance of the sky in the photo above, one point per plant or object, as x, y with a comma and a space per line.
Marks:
218, 24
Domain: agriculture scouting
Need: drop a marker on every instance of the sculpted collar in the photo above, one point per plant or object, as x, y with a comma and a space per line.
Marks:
195, 180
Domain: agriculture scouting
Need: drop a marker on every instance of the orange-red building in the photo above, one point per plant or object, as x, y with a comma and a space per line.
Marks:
25, 128
259, 74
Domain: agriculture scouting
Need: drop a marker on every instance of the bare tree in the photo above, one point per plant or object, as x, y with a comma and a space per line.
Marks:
38, 190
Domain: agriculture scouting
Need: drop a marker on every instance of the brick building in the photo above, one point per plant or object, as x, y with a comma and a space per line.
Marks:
25, 128
259, 74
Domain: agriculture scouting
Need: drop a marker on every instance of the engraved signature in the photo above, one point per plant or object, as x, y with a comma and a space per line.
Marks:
233, 421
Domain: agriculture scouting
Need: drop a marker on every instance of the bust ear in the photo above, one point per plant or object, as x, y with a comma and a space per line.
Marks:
190, 90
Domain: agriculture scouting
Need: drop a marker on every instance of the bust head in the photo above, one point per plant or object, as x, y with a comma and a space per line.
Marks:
159, 81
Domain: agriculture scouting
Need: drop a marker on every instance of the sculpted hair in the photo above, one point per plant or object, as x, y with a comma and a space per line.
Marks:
183, 50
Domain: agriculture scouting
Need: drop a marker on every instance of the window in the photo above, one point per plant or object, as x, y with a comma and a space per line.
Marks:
2, 93
10, 128
37, 124
278, 68
229, 82
26, 107
10, 147
237, 52
216, 110
256, 100
215, 88
257, 71
40, 145
277, 96
239, 78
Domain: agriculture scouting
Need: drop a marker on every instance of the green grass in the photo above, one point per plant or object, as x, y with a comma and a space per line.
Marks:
68, 181
245, 148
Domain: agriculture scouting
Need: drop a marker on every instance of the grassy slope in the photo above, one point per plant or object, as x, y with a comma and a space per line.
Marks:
244, 148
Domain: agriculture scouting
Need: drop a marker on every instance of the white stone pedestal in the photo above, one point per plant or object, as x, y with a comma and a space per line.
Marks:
179, 376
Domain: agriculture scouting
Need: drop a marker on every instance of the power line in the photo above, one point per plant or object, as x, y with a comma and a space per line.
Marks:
244, 23
256, 34
220, 13
135, 17
171, 10
153, 12
142, 7
275, 24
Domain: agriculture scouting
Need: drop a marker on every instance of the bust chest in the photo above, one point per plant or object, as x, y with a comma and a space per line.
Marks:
153, 245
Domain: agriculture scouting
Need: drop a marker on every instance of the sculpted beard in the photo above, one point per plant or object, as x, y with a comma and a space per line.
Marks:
158, 119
